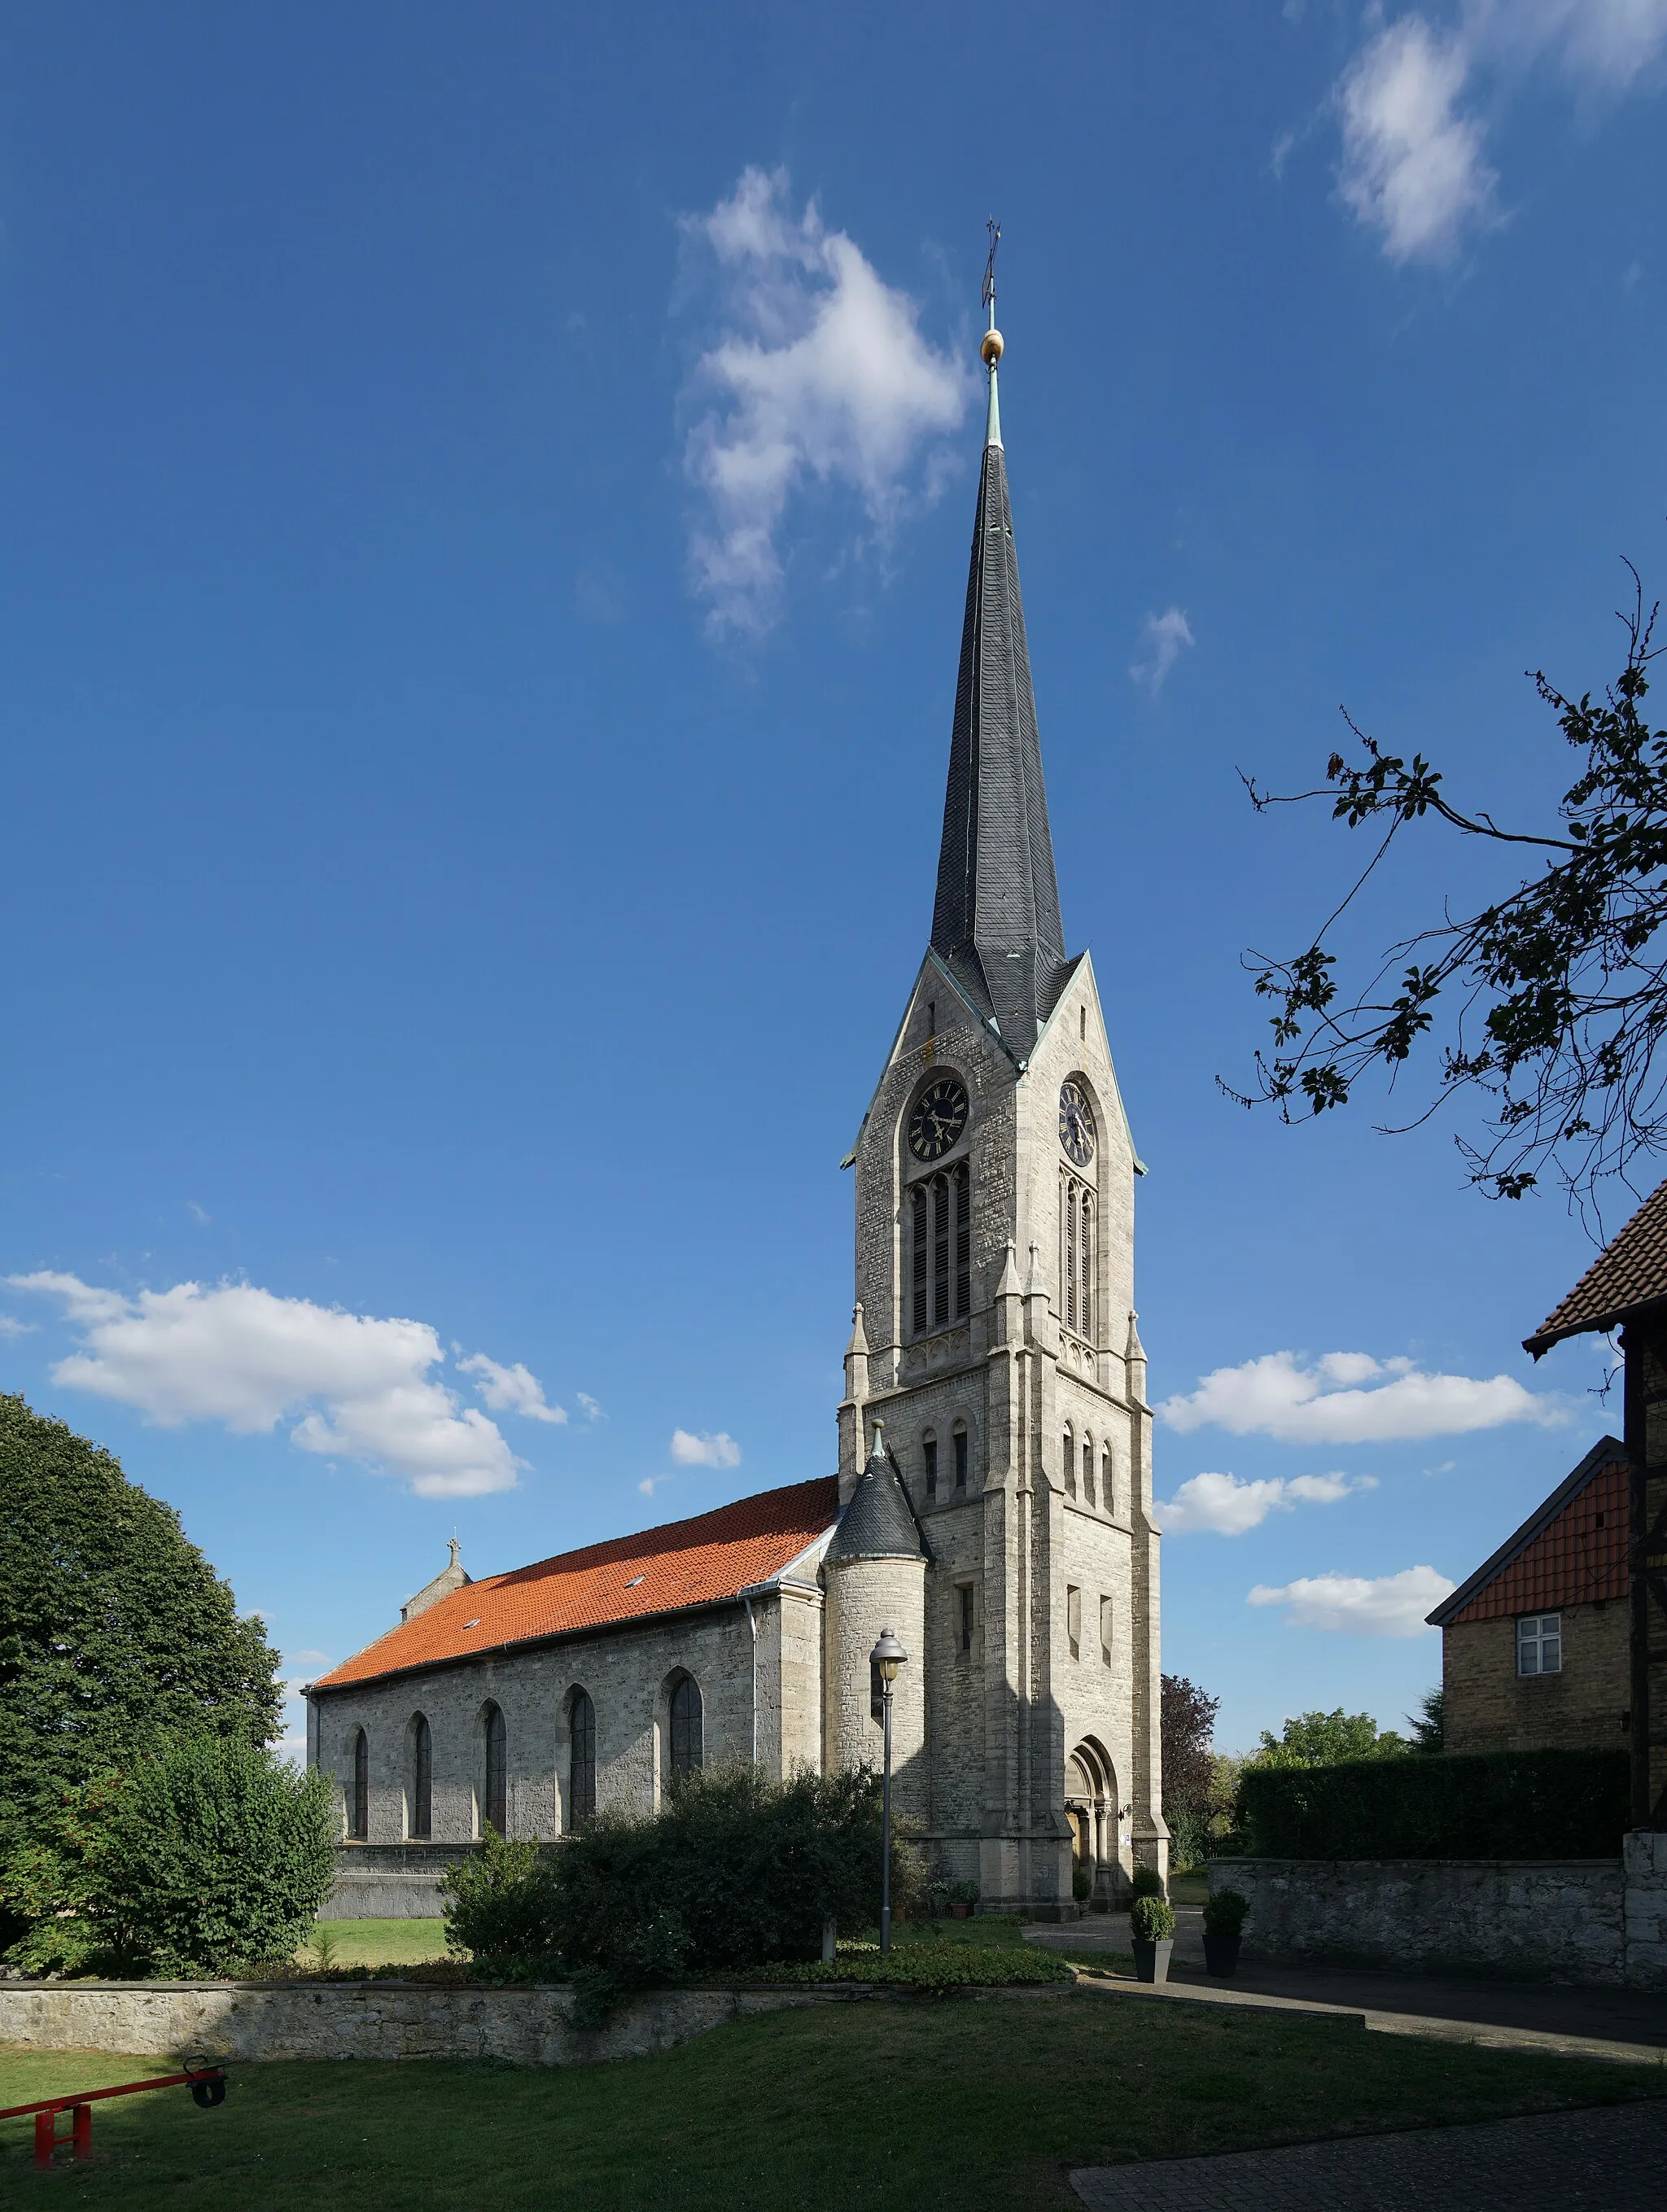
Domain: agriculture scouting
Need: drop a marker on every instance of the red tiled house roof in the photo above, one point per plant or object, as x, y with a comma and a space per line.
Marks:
1570, 1551
701, 1562
1629, 1274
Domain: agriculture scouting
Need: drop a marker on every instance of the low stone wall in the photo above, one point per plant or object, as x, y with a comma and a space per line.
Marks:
363, 2020
1600, 1922
391, 1881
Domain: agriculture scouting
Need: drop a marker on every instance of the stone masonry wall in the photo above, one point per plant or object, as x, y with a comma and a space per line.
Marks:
254, 2020
1490, 1707
1597, 1922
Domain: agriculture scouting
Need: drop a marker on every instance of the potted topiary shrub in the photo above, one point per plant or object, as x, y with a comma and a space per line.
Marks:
1224, 1922
963, 1898
1146, 1882
1152, 1928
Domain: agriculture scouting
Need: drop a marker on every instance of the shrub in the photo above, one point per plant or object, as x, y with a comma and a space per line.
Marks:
1484, 1805
1148, 1882
965, 1892
1188, 1838
1082, 1882
1151, 1919
496, 1902
735, 1870
1224, 1913
929, 1966
207, 1856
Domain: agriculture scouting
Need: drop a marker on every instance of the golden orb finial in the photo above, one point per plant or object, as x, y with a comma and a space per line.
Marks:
992, 348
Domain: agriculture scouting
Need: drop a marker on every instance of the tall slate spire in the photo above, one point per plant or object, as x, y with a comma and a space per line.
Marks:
997, 917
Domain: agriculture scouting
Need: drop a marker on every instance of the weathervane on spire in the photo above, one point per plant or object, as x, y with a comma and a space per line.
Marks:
993, 342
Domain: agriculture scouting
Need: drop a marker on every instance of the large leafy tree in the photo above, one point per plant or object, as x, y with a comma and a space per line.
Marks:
1554, 997
115, 1634
1187, 1720
1327, 1740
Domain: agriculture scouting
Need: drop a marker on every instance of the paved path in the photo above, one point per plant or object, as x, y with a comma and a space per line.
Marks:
1627, 2024
1610, 2160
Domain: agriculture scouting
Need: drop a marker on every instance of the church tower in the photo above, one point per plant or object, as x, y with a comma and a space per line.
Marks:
995, 1442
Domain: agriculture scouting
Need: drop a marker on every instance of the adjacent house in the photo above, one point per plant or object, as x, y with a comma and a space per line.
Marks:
1535, 1647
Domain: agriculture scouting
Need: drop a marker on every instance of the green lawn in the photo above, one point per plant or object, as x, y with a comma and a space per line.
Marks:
379, 1943
955, 2106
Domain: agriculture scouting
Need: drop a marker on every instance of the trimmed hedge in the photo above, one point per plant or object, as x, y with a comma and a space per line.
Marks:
927, 1966
1485, 1805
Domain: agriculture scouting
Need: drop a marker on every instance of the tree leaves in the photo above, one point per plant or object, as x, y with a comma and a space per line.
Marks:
1556, 995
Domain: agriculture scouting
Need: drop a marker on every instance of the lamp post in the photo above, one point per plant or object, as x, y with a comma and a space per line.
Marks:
887, 1655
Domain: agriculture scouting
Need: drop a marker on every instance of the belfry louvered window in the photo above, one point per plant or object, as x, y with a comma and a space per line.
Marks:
1076, 1256
942, 1238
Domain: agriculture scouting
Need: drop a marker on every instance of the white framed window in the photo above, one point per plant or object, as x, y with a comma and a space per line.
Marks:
1539, 1644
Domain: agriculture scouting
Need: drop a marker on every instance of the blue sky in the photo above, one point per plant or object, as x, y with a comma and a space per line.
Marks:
484, 507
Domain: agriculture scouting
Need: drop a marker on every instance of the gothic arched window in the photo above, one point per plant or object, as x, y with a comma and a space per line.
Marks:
688, 1747
358, 1811
1076, 1256
942, 1235
494, 1807
1107, 1494
422, 1778
582, 1763
1067, 1459
1088, 1468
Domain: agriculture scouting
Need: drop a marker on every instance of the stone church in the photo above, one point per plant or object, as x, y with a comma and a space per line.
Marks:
993, 1503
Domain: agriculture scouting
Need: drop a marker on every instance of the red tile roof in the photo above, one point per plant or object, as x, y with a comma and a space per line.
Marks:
687, 1563
1572, 1551
1629, 1272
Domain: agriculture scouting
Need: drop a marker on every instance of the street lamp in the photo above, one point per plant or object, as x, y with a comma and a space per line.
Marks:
887, 1655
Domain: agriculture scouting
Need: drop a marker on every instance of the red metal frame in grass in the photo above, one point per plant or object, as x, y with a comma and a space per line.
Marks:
205, 2078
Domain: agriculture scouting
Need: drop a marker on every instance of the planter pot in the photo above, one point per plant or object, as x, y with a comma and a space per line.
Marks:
1152, 1959
960, 1908
1221, 1954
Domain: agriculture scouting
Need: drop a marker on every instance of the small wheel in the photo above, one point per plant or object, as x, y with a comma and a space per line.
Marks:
207, 2094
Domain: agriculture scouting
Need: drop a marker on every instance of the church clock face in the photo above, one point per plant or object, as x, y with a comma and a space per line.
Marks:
1076, 1123
940, 1116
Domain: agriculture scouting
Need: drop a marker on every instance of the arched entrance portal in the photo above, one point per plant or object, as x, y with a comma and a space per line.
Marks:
1091, 1806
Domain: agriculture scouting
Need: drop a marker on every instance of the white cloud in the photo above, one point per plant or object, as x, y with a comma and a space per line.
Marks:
10, 1325
720, 1450
511, 1389
355, 1386
650, 1483
1163, 638
197, 1212
819, 374
591, 1410
1275, 1396
1414, 168
1222, 1505
1385, 1605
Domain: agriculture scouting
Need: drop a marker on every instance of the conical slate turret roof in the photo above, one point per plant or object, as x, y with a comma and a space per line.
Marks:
995, 920
879, 1522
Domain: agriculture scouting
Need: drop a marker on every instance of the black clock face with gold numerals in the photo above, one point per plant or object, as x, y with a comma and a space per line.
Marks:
940, 1116
1076, 1123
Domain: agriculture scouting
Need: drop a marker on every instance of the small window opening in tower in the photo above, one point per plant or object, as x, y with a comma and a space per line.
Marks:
1068, 1463
1088, 1469
966, 1617
1107, 1496
1082, 1024
929, 1451
931, 1018
1073, 1619
1106, 1631
960, 1440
